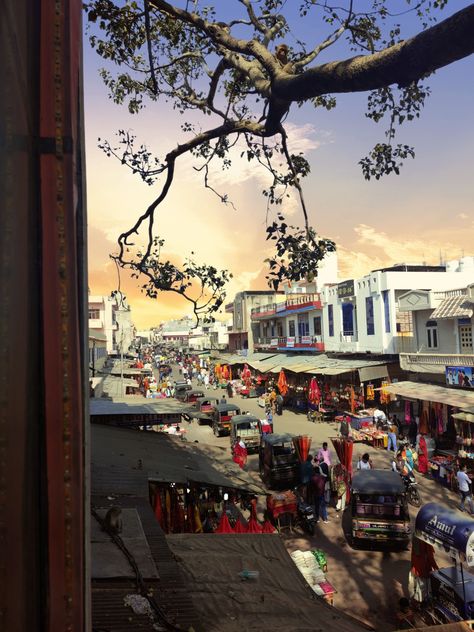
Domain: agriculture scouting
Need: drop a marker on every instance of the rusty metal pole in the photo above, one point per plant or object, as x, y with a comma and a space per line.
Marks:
43, 382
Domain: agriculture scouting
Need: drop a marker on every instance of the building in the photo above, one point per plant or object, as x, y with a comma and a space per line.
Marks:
363, 315
209, 336
442, 330
176, 332
292, 324
111, 317
243, 330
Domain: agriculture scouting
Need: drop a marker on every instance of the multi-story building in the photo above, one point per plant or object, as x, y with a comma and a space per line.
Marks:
176, 332
442, 330
243, 329
111, 317
363, 315
209, 336
294, 323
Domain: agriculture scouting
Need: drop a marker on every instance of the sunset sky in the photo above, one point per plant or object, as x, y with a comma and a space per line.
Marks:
426, 210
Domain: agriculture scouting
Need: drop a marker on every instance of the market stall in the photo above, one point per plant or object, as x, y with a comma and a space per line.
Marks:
313, 566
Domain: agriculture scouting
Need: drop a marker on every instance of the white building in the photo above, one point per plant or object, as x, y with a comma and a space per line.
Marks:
363, 315
111, 317
209, 336
442, 329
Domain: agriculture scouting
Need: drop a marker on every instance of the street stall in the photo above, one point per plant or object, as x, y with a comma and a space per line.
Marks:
313, 566
443, 595
436, 407
190, 485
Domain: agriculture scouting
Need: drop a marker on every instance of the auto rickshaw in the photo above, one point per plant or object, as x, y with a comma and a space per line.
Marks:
379, 508
247, 427
180, 389
278, 462
444, 595
202, 410
192, 396
221, 418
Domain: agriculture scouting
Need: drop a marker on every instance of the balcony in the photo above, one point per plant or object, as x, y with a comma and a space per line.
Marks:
434, 362
294, 343
95, 323
294, 304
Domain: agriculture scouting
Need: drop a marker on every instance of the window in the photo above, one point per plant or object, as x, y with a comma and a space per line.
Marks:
348, 319
369, 315
303, 325
331, 320
291, 328
94, 314
386, 310
432, 334
317, 325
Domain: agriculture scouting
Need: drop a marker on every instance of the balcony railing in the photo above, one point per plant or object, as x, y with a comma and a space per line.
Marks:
441, 359
293, 302
95, 323
291, 342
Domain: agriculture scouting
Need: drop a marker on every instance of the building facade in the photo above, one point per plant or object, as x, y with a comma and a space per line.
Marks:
111, 317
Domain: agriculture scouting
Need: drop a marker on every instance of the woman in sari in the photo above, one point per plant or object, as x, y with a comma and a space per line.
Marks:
239, 453
422, 456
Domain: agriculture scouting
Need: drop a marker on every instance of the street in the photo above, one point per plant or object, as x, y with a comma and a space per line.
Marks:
369, 583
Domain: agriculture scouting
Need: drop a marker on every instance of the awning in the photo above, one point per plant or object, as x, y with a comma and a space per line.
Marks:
432, 393
464, 417
453, 307
368, 373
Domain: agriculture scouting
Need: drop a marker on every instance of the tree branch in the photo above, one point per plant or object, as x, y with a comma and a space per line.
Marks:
400, 64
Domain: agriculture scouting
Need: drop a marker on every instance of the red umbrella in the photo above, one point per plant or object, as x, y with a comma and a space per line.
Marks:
254, 526
268, 527
282, 383
240, 527
302, 445
224, 524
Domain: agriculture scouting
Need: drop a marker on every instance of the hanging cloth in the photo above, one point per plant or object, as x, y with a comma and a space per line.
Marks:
407, 412
239, 526
254, 526
268, 527
370, 393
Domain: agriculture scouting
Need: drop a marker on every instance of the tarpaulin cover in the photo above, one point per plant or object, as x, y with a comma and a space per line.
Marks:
280, 600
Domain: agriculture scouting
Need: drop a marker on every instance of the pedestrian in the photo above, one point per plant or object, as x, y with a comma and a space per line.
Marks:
392, 439
344, 429
279, 404
239, 452
324, 454
206, 381
319, 487
364, 462
465, 487
223, 401
306, 473
230, 392
422, 456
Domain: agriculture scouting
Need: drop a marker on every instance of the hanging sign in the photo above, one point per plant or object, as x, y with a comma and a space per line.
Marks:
346, 288
306, 340
274, 342
290, 342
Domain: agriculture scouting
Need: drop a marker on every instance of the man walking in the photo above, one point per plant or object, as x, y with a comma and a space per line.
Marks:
464, 483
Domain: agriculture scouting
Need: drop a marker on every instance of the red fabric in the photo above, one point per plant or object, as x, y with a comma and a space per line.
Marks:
254, 526
268, 527
423, 457
158, 509
314, 394
224, 524
302, 445
282, 383
239, 455
422, 558
240, 527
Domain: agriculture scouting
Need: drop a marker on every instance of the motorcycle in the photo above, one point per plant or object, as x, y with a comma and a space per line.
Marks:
411, 487
305, 514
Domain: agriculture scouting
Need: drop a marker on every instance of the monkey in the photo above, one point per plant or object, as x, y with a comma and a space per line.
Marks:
281, 55
113, 520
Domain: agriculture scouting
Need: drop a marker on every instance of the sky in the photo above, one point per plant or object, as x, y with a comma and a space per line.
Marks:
422, 214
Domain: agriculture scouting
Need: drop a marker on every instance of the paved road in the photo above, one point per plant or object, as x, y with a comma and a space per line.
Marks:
369, 583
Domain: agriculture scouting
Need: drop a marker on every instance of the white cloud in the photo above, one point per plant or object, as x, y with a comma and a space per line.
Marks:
463, 216
374, 249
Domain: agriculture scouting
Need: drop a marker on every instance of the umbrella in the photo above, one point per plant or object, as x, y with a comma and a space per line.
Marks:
282, 383
302, 445
268, 527
254, 526
314, 394
344, 450
239, 526
224, 524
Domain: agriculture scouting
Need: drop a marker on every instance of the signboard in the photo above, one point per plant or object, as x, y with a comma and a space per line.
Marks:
460, 376
274, 342
346, 288
290, 342
280, 307
306, 340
